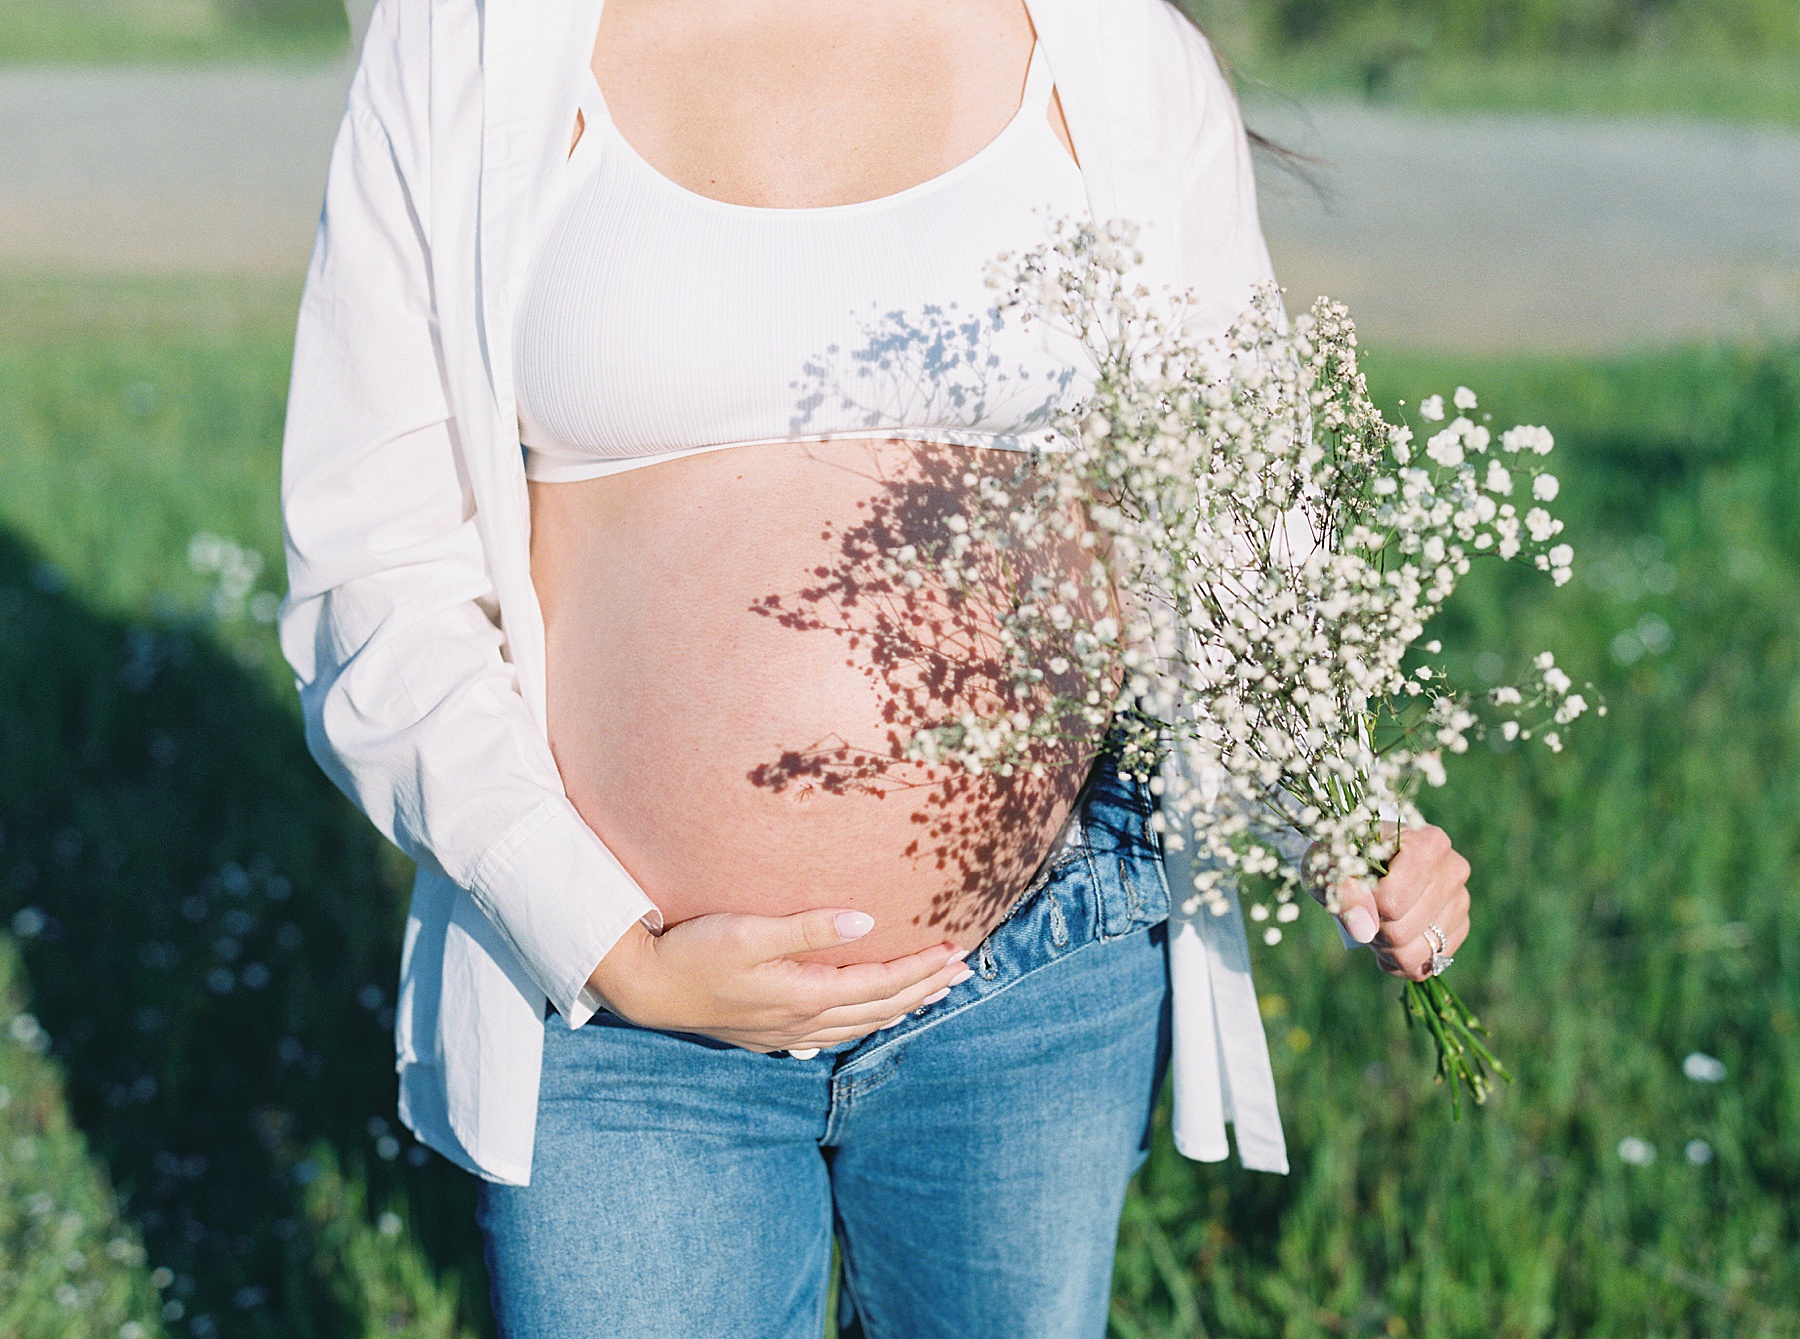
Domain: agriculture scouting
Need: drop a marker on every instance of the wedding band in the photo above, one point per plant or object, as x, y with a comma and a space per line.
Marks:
1439, 941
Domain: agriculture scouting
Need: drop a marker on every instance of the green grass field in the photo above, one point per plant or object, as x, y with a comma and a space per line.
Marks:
194, 995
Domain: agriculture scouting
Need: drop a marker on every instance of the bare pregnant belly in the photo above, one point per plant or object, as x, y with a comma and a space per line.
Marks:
733, 679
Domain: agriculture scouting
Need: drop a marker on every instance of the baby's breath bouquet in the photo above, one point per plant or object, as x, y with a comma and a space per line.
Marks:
1267, 551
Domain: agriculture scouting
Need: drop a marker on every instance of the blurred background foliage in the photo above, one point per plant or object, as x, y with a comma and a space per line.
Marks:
66, 31
1737, 58
1495, 27
1731, 58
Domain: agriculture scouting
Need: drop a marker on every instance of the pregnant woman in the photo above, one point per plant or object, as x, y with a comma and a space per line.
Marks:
636, 342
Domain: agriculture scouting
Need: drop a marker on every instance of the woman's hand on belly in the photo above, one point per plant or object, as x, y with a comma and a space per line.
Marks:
734, 978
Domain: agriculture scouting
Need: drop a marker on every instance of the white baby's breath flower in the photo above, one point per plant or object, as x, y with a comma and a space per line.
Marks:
1446, 448
1431, 409
1526, 438
1572, 706
1464, 398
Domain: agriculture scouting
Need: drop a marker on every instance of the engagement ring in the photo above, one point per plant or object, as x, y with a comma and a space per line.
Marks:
1439, 942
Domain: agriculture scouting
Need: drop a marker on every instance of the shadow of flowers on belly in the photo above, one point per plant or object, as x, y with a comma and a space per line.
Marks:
929, 645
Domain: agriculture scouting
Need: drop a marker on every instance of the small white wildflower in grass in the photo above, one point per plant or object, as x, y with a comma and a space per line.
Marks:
1703, 1068
1636, 1152
1544, 487
1464, 398
28, 1033
236, 568
1431, 409
1698, 1152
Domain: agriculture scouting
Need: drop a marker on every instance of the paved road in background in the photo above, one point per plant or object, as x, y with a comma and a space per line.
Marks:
1474, 232
1485, 231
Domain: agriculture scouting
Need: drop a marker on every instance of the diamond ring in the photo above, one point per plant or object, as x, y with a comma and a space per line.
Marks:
1439, 942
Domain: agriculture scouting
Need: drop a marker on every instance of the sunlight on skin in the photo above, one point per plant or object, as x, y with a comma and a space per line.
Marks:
719, 102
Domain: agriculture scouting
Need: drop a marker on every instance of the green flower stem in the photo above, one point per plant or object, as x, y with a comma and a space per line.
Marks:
1463, 1058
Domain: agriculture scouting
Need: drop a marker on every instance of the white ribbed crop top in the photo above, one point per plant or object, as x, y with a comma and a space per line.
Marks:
659, 322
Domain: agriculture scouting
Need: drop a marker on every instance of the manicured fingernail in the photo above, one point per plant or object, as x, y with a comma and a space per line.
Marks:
933, 999
854, 924
962, 976
1360, 924
958, 956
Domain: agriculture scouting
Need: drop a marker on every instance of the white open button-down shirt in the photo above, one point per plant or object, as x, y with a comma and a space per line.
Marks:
411, 622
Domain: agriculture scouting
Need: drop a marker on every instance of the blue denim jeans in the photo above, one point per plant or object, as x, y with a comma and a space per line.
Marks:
971, 1160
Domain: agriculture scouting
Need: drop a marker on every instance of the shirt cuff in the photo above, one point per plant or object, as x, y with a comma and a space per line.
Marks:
561, 900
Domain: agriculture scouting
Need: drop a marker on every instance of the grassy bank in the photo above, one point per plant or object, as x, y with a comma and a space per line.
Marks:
208, 934
77, 32
1730, 59
1754, 90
